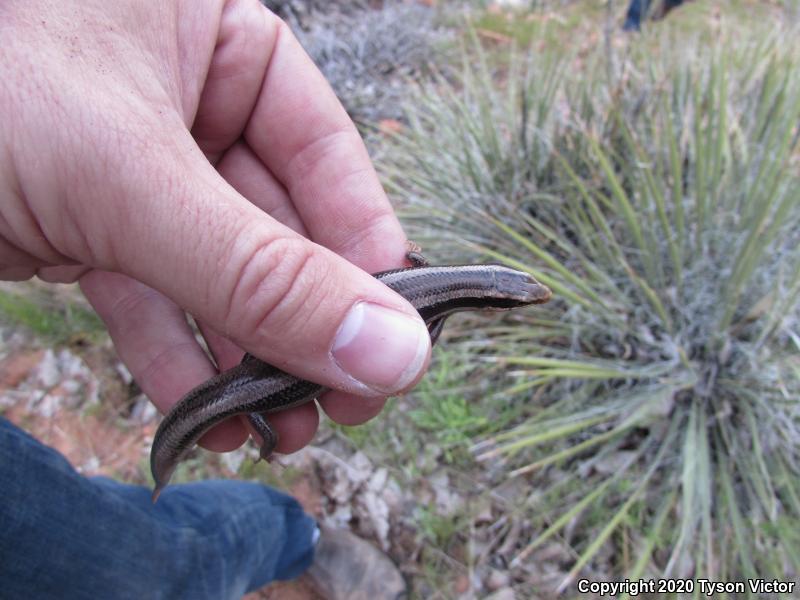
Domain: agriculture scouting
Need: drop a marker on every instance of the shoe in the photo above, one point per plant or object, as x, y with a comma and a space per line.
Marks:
631, 25
346, 567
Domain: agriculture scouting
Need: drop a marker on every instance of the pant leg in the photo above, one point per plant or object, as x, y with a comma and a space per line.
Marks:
66, 536
636, 12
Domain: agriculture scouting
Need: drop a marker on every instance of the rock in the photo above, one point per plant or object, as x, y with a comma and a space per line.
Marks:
505, 593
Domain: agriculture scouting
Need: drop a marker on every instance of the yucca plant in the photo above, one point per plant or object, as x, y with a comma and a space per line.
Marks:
662, 385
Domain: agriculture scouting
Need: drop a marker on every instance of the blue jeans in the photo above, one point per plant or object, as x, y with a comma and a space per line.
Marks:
66, 536
636, 11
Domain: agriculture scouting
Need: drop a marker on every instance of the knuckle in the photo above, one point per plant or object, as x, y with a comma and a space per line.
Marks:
314, 155
62, 274
253, 25
273, 288
369, 234
128, 312
151, 370
16, 273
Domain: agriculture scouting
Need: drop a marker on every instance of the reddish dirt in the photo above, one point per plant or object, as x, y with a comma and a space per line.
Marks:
16, 368
93, 445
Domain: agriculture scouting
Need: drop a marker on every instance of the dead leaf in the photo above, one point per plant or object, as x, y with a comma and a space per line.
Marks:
390, 126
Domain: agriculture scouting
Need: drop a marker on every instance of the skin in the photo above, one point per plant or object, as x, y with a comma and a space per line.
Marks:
187, 157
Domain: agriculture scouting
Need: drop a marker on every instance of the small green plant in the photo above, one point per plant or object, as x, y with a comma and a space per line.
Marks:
444, 411
662, 388
56, 322
438, 529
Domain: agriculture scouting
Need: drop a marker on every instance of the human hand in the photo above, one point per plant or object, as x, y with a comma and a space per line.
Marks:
179, 156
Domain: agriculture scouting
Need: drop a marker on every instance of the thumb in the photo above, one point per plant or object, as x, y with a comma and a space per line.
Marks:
181, 229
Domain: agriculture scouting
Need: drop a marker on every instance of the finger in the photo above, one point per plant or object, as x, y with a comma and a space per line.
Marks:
223, 112
226, 354
22, 241
16, 264
152, 337
154, 340
184, 231
150, 205
347, 409
12, 256
62, 274
296, 427
247, 174
16, 273
235, 75
321, 160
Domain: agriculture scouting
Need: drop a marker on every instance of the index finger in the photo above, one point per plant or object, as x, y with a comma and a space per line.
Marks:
301, 132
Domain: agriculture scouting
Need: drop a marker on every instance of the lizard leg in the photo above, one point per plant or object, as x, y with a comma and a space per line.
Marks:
435, 328
267, 433
414, 255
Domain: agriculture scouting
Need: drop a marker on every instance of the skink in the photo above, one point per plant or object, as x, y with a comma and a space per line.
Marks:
254, 387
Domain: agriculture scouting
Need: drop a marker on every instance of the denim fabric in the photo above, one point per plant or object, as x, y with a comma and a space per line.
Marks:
636, 12
66, 536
